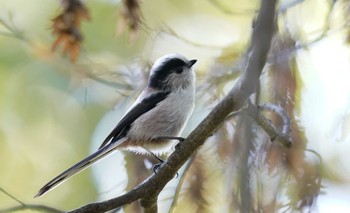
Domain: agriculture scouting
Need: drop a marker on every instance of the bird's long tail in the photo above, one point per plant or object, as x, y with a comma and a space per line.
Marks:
83, 164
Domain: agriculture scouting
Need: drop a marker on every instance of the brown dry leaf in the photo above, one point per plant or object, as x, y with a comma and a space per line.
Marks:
66, 26
131, 18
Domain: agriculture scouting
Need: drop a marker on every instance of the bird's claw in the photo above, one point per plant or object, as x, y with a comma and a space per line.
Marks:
156, 167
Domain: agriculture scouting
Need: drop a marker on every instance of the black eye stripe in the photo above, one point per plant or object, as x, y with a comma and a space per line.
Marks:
168, 67
173, 64
179, 70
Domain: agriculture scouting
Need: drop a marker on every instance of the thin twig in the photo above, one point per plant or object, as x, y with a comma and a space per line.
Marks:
11, 196
11, 27
266, 124
40, 208
282, 113
24, 206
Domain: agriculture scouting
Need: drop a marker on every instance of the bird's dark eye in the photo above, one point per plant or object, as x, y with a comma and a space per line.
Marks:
179, 70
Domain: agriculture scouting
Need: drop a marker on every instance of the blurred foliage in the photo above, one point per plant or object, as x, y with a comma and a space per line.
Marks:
51, 109
66, 27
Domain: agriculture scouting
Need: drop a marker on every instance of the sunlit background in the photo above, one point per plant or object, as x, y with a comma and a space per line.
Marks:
54, 112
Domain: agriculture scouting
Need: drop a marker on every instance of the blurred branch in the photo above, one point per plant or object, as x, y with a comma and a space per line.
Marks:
11, 196
169, 31
131, 18
107, 82
233, 101
224, 9
231, 71
282, 8
24, 206
255, 112
13, 31
283, 56
179, 185
288, 4
320, 165
326, 29
287, 52
266, 124
280, 111
40, 208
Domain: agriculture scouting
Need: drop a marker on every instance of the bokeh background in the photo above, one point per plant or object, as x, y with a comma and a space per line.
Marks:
54, 112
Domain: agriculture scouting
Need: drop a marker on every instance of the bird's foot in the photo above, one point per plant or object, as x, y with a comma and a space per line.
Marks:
156, 167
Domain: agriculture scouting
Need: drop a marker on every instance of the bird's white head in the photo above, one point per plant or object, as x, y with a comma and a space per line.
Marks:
172, 72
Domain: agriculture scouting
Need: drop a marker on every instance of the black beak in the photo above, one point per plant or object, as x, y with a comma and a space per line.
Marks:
191, 62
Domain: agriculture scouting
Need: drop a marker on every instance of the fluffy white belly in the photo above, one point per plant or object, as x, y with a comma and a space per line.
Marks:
168, 118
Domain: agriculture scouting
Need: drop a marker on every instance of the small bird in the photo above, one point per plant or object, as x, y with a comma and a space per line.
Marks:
154, 122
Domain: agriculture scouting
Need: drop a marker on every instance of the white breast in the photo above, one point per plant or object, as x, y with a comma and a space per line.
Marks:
168, 118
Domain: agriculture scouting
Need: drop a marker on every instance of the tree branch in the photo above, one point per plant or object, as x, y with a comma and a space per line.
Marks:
23, 206
149, 204
39, 208
266, 124
234, 100
282, 113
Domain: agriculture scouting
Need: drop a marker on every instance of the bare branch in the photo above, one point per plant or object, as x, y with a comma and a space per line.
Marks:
24, 206
40, 208
11, 196
12, 30
266, 124
280, 111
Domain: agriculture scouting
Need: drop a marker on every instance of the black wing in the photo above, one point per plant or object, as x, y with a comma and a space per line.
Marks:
124, 124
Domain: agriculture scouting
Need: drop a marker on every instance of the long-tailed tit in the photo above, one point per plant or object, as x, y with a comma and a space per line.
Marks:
153, 123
